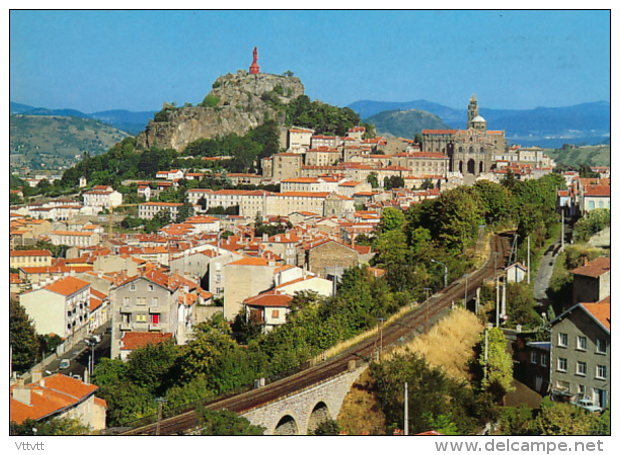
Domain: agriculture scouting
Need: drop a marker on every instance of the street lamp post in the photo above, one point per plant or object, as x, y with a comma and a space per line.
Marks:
445, 272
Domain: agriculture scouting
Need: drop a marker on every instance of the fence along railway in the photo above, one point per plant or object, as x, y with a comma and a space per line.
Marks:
412, 322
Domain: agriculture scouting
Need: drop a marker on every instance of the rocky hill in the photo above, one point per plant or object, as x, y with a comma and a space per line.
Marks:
237, 103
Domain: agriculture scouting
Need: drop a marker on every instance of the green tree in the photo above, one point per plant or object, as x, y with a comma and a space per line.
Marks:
562, 419
391, 218
498, 366
226, 423
151, 367
22, 337
62, 426
373, 180
327, 427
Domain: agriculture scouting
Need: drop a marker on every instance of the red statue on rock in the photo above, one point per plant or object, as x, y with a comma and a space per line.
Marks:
254, 68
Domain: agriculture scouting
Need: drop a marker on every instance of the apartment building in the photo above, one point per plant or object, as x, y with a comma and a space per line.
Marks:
30, 258
148, 210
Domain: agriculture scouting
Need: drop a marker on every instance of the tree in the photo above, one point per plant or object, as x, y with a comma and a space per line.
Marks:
63, 426
391, 218
22, 337
498, 366
226, 423
562, 419
151, 366
327, 427
373, 180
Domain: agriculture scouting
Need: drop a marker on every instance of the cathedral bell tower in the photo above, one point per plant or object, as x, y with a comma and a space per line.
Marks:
472, 111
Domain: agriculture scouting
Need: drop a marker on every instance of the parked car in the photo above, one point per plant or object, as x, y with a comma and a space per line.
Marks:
64, 363
97, 338
588, 405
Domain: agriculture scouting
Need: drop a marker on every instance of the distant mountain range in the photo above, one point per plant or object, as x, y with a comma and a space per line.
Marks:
587, 123
127, 121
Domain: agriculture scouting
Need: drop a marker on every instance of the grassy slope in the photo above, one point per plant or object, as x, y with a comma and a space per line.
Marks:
592, 155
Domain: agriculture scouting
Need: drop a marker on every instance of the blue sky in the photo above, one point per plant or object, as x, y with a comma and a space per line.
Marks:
136, 60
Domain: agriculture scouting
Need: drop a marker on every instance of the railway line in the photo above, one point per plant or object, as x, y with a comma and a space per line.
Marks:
391, 335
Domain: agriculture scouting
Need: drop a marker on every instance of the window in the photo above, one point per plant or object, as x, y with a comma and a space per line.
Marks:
582, 343
562, 339
151, 287
533, 357
582, 390
581, 368
275, 314
562, 364
601, 372
155, 301
141, 318
601, 346
543, 359
141, 300
132, 287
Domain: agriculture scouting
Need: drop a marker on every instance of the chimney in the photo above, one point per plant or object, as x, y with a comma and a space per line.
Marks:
265, 237
21, 393
37, 375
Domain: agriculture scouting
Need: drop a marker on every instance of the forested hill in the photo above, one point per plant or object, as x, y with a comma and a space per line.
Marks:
405, 123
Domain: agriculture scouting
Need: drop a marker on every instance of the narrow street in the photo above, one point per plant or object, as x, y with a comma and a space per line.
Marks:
547, 262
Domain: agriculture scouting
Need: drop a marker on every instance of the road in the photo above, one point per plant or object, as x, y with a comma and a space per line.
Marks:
545, 269
80, 354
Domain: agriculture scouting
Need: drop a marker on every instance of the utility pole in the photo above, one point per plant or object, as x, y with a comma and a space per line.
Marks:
486, 351
528, 259
562, 235
497, 302
406, 429
160, 403
426, 310
380, 340
504, 298
465, 299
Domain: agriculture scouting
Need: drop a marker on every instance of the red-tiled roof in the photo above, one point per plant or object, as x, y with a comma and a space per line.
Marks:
135, 340
270, 299
30, 253
67, 286
601, 311
250, 262
48, 396
594, 269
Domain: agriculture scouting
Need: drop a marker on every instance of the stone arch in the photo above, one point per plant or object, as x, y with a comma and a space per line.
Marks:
471, 150
319, 414
461, 166
471, 166
286, 426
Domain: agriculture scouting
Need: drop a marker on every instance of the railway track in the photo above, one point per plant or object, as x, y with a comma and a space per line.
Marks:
391, 335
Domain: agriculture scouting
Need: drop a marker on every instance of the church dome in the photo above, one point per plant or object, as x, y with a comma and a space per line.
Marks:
478, 119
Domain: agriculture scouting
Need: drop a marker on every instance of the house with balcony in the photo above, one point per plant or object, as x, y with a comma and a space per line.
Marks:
580, 353
62, 307
144, 303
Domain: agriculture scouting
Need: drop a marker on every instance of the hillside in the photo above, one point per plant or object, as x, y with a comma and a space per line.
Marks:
405, 123
599, 155
587, 123
55, 141
121, 119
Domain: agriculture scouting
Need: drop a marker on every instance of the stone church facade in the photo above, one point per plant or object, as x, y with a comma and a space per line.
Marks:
471, 151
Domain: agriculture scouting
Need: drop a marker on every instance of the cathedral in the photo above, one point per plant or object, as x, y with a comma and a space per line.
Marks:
470, 151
